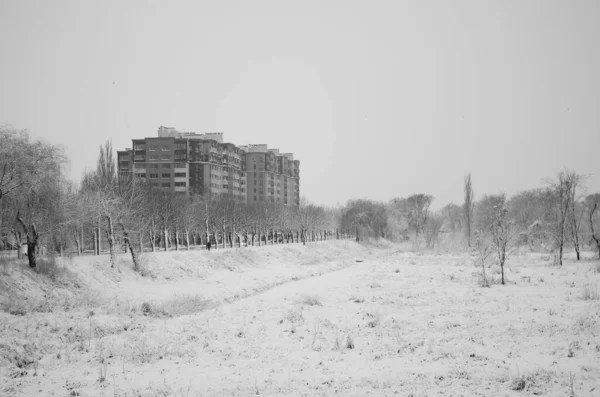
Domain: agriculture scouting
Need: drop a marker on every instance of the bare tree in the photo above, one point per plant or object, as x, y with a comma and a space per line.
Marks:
132, 219
503, 234
562, 189
468, 206
484, 251
576, 212
432, 229
593, 204
37, 214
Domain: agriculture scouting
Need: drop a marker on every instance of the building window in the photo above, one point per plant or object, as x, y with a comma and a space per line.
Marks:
153, 166
140, 175
180, 175
167, 184
179, 165
179, 183
166, 175
153, 176
155, 184
139, 157
165, 148
139, 146
165, 165
153, 157
165, 157
180, 146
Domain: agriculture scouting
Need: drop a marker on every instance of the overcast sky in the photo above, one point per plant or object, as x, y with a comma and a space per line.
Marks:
376, 99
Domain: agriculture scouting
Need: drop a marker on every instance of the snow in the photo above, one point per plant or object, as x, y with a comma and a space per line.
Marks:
278, 321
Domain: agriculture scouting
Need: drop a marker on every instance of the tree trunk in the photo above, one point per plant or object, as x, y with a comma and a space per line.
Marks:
127, 241
140, 235
77, 243
32, 241
166, 237
111, 241
187, 239
560, 252
32, 252
99, 237
95, 238
176, 240
596, 239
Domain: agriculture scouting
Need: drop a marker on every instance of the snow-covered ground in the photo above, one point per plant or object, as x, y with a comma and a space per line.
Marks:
332, 318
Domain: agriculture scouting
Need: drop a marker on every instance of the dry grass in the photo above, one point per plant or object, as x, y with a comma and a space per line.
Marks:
179, 306
590, 292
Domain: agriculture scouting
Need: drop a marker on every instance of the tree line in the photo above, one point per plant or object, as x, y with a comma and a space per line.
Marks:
555, 216
118, 212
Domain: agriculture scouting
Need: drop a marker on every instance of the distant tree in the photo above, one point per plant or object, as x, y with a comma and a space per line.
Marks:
562, 189
419, 211
432, 228
532, 212
365, 217
593, 210
468, 206
452, 217
575, 216
486, 211
398, 219
410, 213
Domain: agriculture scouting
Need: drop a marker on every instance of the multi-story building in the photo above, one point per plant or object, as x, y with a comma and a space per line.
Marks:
271, 176
202, 164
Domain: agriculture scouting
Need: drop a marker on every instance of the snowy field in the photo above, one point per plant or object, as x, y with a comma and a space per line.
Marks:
331, 318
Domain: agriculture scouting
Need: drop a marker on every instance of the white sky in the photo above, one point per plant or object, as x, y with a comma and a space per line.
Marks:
376, 99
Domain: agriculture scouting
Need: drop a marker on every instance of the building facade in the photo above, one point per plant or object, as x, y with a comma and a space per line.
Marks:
202, 164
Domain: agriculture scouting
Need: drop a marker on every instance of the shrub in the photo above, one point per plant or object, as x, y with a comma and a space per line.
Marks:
310, 300
47, 266
535, 382
375, 319
293, 316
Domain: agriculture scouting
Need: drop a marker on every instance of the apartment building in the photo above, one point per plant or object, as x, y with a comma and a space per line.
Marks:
271, 176
202, 164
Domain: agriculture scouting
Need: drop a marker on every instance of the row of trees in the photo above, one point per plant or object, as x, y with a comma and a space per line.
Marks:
120, 212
